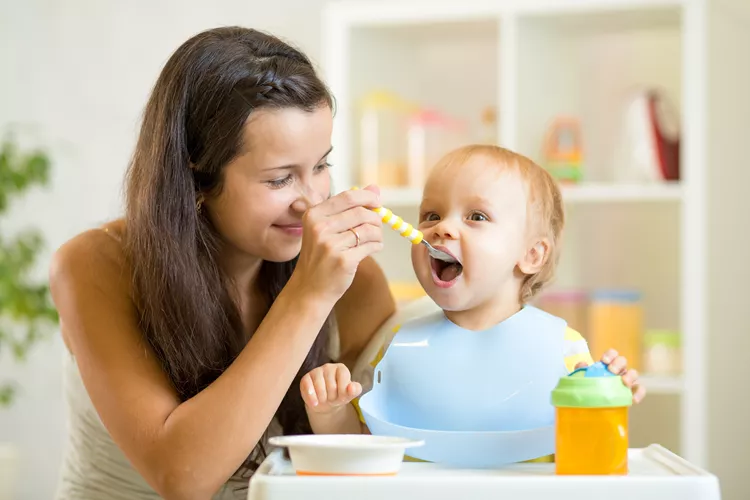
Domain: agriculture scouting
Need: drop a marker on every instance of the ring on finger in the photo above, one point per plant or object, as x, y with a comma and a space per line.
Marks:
356, 244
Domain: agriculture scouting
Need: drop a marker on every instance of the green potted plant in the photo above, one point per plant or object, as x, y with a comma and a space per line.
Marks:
27, 314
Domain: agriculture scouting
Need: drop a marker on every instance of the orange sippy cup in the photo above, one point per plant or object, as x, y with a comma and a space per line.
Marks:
591, 422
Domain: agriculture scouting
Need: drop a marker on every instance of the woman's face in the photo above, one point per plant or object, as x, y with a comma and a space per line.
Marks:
258, 211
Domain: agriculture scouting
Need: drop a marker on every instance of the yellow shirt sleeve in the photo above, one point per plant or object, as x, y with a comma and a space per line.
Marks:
575, 350
373, 364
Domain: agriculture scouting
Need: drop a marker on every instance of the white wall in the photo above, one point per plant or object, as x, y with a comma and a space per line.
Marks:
728, 343
79, 72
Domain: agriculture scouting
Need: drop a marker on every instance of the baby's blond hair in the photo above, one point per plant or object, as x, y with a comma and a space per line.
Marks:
546, 212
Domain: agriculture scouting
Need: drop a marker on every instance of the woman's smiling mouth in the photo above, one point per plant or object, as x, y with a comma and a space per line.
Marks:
290, 229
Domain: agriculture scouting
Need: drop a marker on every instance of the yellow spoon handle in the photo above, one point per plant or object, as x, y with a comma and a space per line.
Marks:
405, 229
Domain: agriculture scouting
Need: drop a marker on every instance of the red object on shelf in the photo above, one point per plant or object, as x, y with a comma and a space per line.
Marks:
651, 148
667, 148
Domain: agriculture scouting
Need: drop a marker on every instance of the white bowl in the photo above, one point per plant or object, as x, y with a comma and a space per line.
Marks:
345, 454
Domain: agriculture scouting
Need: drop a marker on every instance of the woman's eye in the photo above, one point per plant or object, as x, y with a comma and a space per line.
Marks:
478, 217
322, 166
281, 182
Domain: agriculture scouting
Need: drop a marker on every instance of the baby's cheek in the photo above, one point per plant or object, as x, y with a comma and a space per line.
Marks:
421, 264
417, 259
481, 261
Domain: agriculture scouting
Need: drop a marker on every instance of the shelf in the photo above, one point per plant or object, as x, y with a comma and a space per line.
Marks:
662, 385
582, 193
593, 67
614, 193
535, 61
401, 197
395, 12
603, 19
388, 93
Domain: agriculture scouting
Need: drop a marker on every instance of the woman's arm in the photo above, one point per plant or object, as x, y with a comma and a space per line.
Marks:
362, 310
189, 449
327, 389
184, 450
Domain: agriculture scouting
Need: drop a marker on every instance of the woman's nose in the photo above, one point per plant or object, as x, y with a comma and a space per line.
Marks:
307, 197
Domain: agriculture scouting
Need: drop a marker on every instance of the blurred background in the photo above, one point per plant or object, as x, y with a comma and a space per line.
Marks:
639, 108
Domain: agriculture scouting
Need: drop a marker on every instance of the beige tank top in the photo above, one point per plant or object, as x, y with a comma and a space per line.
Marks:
94, 467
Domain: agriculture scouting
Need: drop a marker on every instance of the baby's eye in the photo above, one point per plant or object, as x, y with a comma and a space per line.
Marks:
478, 217
430, 217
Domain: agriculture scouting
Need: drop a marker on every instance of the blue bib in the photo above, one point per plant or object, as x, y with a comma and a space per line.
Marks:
477, 399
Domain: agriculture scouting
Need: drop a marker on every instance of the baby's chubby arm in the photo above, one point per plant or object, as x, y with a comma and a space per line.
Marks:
328, 392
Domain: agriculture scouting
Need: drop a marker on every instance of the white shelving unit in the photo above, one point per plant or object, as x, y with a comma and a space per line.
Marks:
534, 60
663, 385
589, 192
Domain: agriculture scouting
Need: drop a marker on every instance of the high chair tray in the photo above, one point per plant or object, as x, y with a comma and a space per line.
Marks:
655, 473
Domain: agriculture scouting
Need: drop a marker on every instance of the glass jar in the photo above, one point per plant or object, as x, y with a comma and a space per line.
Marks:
616, 322
662, 353
569, 305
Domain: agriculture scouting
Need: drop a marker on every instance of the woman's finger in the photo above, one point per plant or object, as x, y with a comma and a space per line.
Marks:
364, 250
357, 236
353, 217
346, 200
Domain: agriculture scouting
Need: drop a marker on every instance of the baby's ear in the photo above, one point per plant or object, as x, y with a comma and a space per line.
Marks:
535, 257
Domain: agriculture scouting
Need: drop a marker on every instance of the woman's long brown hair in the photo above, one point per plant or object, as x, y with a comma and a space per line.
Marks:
192, 128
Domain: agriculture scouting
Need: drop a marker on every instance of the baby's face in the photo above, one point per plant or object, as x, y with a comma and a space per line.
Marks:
477, 212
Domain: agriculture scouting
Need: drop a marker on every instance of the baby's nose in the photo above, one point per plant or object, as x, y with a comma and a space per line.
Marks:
445, 229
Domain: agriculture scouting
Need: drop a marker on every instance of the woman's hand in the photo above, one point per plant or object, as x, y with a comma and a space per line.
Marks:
337, 234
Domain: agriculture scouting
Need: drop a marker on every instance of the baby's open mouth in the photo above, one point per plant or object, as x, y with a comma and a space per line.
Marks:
446, 271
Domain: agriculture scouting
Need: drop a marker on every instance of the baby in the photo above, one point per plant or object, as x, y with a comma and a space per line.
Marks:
501, 217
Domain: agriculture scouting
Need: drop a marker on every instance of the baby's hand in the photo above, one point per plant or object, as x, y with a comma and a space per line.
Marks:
619, 366
328, 388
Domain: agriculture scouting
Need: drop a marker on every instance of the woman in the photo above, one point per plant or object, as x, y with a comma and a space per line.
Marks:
191, 321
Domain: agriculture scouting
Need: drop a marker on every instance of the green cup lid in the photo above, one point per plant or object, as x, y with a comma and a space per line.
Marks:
592, 387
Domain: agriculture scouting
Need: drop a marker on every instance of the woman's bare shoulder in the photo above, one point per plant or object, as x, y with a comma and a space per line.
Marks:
89, 274
93, 260
98, 249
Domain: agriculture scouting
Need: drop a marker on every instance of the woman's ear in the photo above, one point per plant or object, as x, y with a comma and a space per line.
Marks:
535, 257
